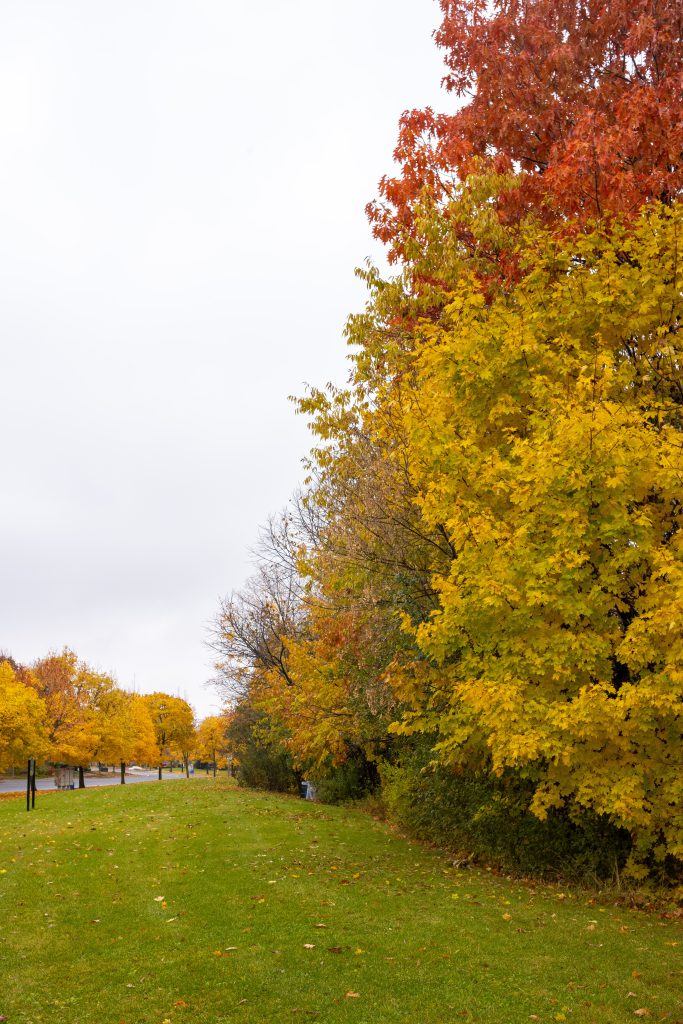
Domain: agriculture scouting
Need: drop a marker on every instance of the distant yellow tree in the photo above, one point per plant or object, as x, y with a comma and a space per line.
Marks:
173, 722
126, 730
23, 732
142, 746
211, 744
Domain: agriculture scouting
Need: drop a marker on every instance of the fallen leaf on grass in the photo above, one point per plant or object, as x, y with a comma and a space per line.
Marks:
159, 899
642, 1012
181, 1003
309, 945
353, 995
320, 925
507, 917
335, 949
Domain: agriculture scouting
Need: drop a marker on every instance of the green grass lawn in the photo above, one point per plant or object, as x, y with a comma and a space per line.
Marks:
275, 909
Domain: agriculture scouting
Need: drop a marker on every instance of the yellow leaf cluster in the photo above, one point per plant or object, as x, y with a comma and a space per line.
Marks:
544, 432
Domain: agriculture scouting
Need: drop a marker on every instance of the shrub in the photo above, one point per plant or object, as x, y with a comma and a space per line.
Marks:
354, 779
485, 818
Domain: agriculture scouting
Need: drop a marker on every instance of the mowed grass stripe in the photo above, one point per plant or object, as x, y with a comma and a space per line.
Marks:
85, 938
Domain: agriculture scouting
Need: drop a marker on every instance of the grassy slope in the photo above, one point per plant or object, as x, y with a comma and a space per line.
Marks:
83, 940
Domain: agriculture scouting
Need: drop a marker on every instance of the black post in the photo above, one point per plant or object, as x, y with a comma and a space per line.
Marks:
28, 786
33, 786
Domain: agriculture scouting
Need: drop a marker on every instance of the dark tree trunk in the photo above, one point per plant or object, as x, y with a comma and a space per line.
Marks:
187, 767
214, 764
81, 778
159, 773
123, 773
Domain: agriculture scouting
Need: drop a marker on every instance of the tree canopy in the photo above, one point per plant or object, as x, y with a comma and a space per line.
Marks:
487, 556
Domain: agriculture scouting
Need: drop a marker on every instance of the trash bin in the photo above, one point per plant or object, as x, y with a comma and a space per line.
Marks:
64, 778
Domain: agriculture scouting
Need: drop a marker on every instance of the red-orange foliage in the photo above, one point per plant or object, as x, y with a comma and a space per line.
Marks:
583, 96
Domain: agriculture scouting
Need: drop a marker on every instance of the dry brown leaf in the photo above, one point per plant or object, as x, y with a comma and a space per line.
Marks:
353, 995
642, 1012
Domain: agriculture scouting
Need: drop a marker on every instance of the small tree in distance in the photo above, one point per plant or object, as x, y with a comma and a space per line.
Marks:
211, 739
173, 722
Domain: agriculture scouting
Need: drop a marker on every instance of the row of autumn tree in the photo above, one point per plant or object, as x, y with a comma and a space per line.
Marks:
478, 596
60, 709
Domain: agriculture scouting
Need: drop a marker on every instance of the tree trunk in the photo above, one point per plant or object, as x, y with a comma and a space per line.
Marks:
159, 773
214, 764
123, 773
187, 766
81, 779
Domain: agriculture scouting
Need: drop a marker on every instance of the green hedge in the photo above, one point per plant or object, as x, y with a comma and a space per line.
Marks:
481, 817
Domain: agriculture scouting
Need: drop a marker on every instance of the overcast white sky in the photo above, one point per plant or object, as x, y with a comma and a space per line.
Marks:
182, 192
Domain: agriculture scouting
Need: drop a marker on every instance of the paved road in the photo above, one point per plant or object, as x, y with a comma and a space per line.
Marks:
103, 779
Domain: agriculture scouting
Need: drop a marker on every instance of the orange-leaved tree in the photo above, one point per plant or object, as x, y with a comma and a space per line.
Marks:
72, 692
583, 100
